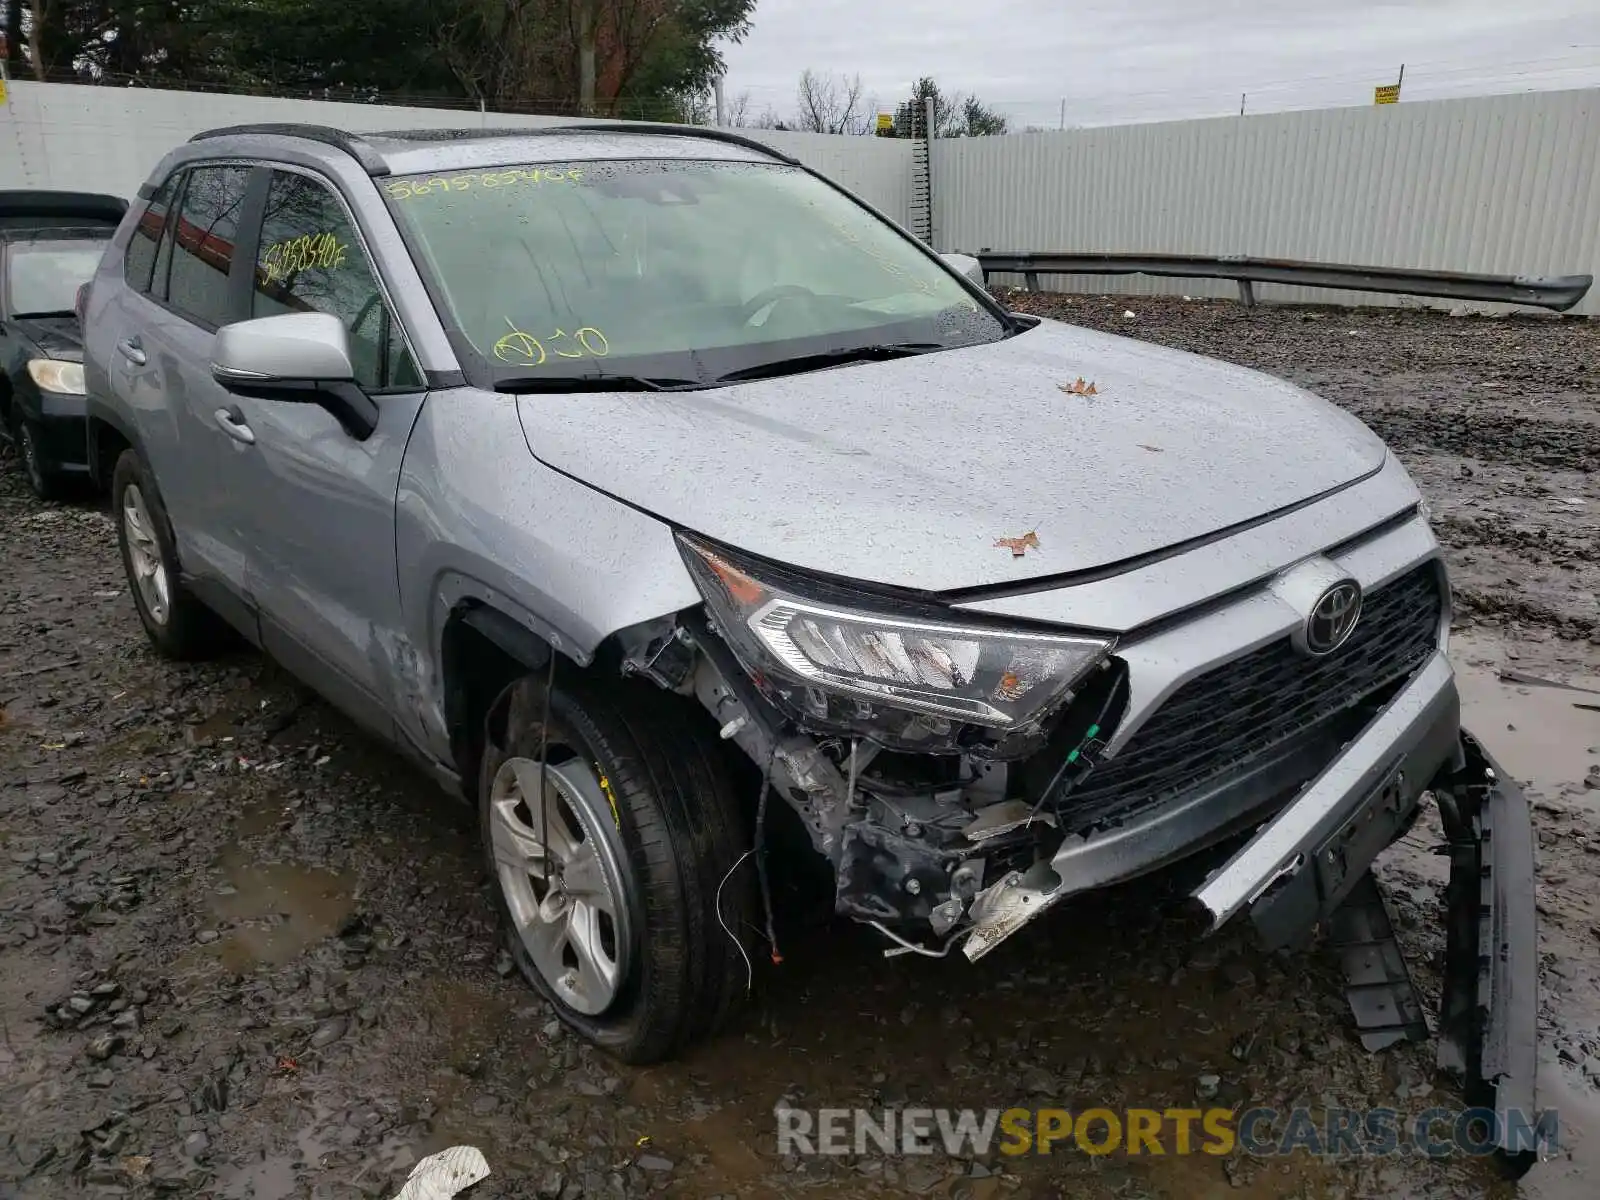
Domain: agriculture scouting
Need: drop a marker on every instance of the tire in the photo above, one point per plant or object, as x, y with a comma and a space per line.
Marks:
674, 832
179, 626
44, 482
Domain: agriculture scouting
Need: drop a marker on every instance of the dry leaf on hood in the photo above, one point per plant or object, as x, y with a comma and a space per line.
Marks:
1019, 545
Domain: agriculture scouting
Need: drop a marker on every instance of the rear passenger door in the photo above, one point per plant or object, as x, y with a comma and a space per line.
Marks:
182, 285
322, 503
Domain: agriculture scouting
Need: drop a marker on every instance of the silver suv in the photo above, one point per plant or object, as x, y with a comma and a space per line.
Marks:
639, 481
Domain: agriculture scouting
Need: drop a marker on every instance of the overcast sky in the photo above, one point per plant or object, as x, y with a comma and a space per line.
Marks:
1140, 60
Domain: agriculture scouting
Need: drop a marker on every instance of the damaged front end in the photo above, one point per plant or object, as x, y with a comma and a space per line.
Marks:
962, 778
905, 742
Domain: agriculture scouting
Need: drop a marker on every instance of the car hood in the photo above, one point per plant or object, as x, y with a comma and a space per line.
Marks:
56, 337
913, 472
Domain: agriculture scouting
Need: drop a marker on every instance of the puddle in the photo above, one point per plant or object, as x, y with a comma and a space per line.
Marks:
273, 1175
1563, 1177
1535, 732
277, 910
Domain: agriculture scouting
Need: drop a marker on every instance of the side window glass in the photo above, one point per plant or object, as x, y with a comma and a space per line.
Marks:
140, 256
310, 260
202, 243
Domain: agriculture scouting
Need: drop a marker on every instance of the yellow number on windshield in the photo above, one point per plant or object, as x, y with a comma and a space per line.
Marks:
522, 349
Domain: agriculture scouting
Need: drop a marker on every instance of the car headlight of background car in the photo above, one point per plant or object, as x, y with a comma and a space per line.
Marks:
54, 375
835, 664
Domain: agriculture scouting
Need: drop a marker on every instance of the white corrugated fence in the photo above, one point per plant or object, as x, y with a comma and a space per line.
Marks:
1504, 184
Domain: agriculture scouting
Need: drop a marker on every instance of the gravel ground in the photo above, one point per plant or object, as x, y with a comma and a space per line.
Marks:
245, 953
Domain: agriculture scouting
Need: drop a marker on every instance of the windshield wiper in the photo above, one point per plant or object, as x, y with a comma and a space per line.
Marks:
881, 352
34, 316
525, 384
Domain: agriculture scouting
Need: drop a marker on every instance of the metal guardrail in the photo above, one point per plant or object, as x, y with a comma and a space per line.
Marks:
1558, 292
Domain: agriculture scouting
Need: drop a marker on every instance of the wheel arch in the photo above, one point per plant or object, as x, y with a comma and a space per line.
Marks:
108, 436
483, 648
485, 644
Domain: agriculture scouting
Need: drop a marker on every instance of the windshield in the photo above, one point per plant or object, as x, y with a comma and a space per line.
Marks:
43, 277
672, 269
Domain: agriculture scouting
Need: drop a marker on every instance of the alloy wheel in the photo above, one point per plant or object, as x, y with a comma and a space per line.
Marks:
558, 856
144, 555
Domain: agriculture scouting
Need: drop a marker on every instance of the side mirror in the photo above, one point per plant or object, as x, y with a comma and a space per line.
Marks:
296, 357
966, 265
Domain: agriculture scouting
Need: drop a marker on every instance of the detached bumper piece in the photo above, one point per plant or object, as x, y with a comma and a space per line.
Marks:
1382, 997
1489, 1026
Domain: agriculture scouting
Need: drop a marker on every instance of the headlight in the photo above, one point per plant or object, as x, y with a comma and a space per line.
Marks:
53, 375
998, 678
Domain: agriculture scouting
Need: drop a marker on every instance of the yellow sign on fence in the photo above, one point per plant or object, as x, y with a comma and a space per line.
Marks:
885, 121
1389, 93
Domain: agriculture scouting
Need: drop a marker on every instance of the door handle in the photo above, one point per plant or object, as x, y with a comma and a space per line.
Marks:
233, 425
130, 349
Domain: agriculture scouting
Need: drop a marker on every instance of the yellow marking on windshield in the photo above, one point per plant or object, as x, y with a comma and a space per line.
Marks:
285, 258
521, 349
476, 181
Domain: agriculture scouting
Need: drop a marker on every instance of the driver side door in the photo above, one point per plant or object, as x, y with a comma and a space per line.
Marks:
322, 566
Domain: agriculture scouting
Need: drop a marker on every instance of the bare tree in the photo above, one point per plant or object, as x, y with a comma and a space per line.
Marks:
737, 110
832, 104
698, 108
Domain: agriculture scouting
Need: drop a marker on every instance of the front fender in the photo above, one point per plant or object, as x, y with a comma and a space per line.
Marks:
479, 520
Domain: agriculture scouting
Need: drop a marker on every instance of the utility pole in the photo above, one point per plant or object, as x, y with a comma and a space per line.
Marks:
932, 119
1063, 124
721, 110
586, 56
1241, 104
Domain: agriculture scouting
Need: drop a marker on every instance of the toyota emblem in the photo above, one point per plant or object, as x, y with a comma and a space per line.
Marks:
1333, 617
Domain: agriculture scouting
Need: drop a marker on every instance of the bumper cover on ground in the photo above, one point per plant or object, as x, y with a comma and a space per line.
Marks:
1489, 1024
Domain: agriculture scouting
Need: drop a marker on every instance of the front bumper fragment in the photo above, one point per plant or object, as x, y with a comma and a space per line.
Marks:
1489, 1023
1304, 862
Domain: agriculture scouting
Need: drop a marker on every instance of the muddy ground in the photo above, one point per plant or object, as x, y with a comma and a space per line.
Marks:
244, 953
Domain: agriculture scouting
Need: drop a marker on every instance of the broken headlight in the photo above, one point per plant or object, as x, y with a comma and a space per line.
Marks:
998, 678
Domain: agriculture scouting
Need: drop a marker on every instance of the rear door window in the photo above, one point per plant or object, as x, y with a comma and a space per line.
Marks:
310, 259
139, 259
202, 244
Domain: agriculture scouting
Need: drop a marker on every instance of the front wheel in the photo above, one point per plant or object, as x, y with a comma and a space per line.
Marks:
616, 870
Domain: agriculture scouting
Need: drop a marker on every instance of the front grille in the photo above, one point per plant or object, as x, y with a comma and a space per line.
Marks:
1221, 722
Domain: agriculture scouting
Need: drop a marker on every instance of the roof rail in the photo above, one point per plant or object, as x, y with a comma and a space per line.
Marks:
634, 127
710, 133
361, 150
352, 144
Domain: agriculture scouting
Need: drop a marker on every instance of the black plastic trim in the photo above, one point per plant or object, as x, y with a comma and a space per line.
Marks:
351, 143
